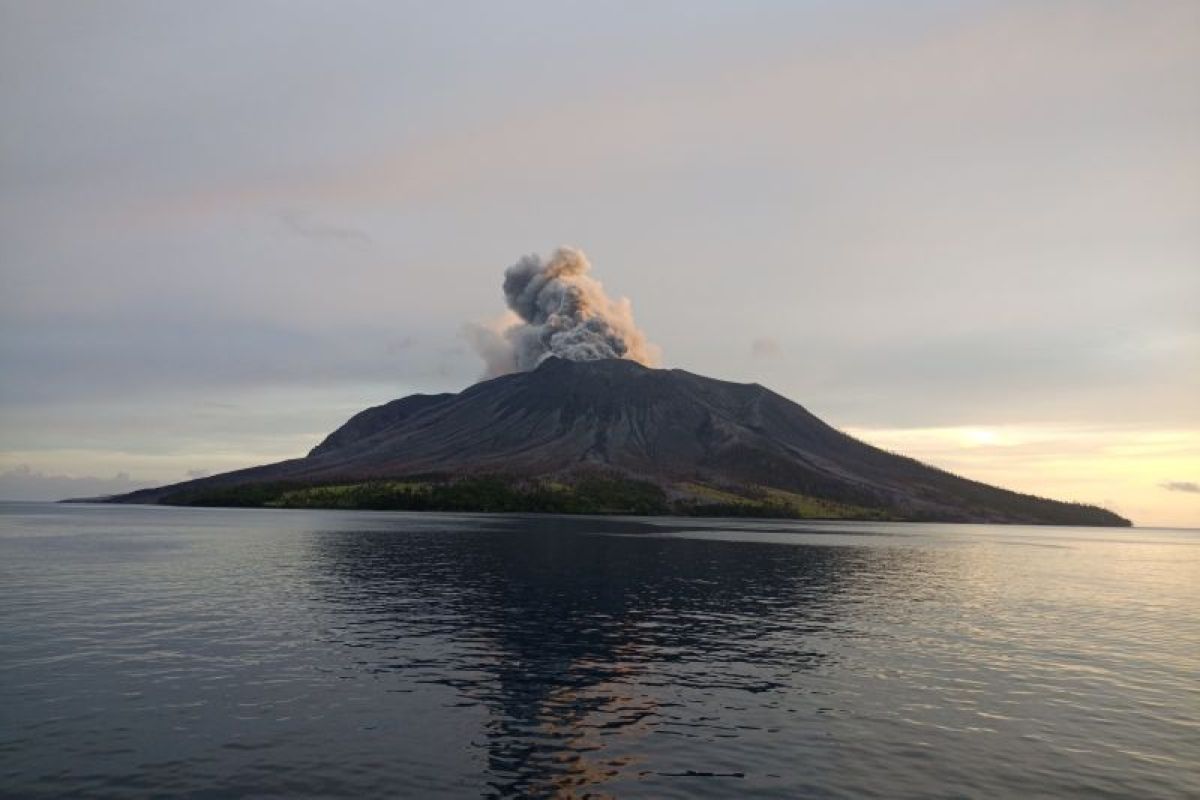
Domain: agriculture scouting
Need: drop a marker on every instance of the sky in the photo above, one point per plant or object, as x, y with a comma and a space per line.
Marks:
965, 231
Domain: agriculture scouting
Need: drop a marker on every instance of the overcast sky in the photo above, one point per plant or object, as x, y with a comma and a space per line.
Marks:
967, 231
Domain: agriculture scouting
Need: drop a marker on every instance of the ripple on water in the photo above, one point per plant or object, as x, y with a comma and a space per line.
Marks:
161, 651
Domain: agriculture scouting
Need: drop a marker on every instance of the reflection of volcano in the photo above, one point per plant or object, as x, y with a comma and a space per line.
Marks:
588, 650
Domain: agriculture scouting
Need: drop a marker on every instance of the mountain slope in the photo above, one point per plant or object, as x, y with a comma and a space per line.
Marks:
671, 428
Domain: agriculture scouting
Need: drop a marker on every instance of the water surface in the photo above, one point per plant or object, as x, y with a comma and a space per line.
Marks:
212, 652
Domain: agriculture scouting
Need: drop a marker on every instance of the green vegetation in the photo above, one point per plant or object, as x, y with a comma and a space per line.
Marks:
247, 495
763, 501
601, 493
373, 495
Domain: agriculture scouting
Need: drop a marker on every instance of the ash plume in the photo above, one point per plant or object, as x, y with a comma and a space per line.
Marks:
557, 309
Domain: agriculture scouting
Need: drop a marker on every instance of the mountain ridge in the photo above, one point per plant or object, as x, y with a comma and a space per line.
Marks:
694, 437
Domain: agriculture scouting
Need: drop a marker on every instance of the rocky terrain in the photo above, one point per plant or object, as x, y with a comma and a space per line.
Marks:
578, 435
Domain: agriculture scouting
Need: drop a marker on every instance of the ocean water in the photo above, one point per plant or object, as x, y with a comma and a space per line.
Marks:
222, 653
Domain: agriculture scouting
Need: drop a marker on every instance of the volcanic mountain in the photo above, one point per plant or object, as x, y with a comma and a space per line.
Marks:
581, 435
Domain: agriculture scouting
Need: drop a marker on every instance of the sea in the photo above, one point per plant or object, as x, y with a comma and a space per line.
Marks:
186, 652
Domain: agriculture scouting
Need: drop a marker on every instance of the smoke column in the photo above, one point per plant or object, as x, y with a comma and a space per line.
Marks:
558, 310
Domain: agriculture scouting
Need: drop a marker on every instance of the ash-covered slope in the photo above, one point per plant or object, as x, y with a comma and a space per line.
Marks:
669, 427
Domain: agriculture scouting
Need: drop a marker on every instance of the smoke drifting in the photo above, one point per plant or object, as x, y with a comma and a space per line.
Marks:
558, 310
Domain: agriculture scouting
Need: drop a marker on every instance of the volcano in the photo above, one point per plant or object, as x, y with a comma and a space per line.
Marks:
612, 435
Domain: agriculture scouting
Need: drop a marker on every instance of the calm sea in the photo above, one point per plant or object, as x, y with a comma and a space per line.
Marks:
223, 653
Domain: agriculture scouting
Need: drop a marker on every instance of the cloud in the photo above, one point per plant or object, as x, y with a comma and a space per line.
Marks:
303, 224
23, 483
489, 343
1112, 466
764, 347
59, 358
935, 243
560, 310
1191, 487
400, 345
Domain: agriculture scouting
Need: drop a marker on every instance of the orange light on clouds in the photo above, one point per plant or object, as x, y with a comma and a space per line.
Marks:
1128, 470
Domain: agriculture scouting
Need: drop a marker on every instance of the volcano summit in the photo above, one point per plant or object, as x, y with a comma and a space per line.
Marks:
574, 419
614, 436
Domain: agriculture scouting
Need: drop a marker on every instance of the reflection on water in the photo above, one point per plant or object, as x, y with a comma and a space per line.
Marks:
580, 646
215, 652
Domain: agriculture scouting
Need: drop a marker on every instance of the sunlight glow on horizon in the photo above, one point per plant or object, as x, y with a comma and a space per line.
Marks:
964, 232
1122, 469
1125, 470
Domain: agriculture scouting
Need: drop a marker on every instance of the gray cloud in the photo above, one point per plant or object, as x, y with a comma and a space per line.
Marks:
23, 483
62, 358
1191, 487
562, 311
1113, 377
303, 224
764, 347
934, 242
